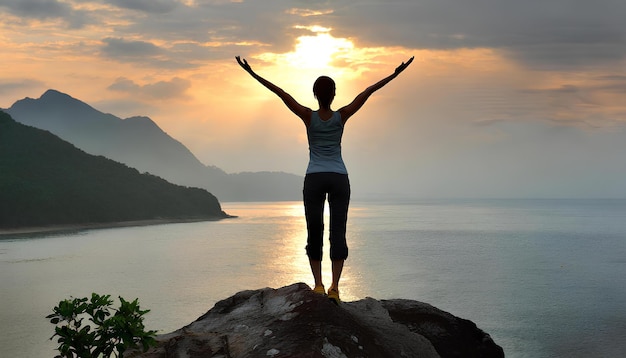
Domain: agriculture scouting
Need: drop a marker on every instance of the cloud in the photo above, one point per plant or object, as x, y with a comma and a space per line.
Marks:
255, 25
39, 8
562, 55
10, 87
593, 103
539, 35
120, 48
47, 9
536, 33
613, 83
143, 52
149, 6
175, 88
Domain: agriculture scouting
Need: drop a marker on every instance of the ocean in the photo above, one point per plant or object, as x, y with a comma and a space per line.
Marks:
545, 278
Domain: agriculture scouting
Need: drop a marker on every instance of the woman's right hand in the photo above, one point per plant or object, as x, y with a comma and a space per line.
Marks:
403, 66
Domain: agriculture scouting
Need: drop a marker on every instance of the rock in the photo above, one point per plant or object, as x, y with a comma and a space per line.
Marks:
293, 321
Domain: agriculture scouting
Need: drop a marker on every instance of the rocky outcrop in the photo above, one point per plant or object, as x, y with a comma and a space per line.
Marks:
293, 321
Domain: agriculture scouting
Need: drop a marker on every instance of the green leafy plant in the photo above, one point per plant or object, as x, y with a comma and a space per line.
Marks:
114, 330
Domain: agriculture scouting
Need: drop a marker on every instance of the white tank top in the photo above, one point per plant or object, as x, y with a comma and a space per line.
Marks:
325, 144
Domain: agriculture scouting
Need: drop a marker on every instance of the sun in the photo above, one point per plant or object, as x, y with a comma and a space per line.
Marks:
318, 52
313, 52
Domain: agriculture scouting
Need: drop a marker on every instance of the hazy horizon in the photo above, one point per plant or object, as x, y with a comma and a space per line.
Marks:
503, 100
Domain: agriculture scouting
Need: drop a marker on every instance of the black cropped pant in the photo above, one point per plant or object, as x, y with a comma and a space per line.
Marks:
316, 187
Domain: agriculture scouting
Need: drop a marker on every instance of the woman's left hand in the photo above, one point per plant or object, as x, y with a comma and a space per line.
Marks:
244, 64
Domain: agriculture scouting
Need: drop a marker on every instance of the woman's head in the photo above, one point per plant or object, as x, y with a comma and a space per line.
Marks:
324, 91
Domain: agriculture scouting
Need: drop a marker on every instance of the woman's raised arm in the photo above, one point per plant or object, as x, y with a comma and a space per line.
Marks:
358, 102
299, 110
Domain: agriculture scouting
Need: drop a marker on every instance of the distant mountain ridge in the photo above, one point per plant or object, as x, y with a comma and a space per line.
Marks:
141, 144
46, 181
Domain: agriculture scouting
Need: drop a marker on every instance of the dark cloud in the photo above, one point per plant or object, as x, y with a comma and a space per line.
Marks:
546, 35
39, 8
260, 25
206, 31
149, 6
47, 9
563, 55
592, 104
536, 33
615, 86
595, 86
121, 48
143, 52
175, 88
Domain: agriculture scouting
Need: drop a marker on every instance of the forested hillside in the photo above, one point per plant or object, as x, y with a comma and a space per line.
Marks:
47, 181
140, 143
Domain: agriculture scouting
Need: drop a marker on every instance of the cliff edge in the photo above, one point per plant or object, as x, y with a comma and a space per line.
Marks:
292, 321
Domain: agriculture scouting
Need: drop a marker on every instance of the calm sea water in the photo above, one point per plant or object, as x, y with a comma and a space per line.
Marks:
546, 278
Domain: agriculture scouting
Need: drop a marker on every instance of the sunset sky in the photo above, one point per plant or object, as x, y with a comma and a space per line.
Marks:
505, 98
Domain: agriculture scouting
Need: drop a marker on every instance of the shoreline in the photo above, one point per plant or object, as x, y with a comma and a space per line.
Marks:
108, 225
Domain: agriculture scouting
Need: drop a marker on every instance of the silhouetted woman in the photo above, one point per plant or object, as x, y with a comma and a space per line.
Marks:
326, 173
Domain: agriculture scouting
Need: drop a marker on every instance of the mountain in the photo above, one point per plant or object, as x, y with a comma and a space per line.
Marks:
141, 144
45, 180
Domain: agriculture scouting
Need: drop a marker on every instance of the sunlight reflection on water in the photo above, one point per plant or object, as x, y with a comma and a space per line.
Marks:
284, 260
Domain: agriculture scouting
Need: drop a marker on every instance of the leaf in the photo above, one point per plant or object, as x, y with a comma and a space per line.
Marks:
114, 330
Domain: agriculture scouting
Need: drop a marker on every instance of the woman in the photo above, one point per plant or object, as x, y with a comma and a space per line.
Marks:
326, 173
